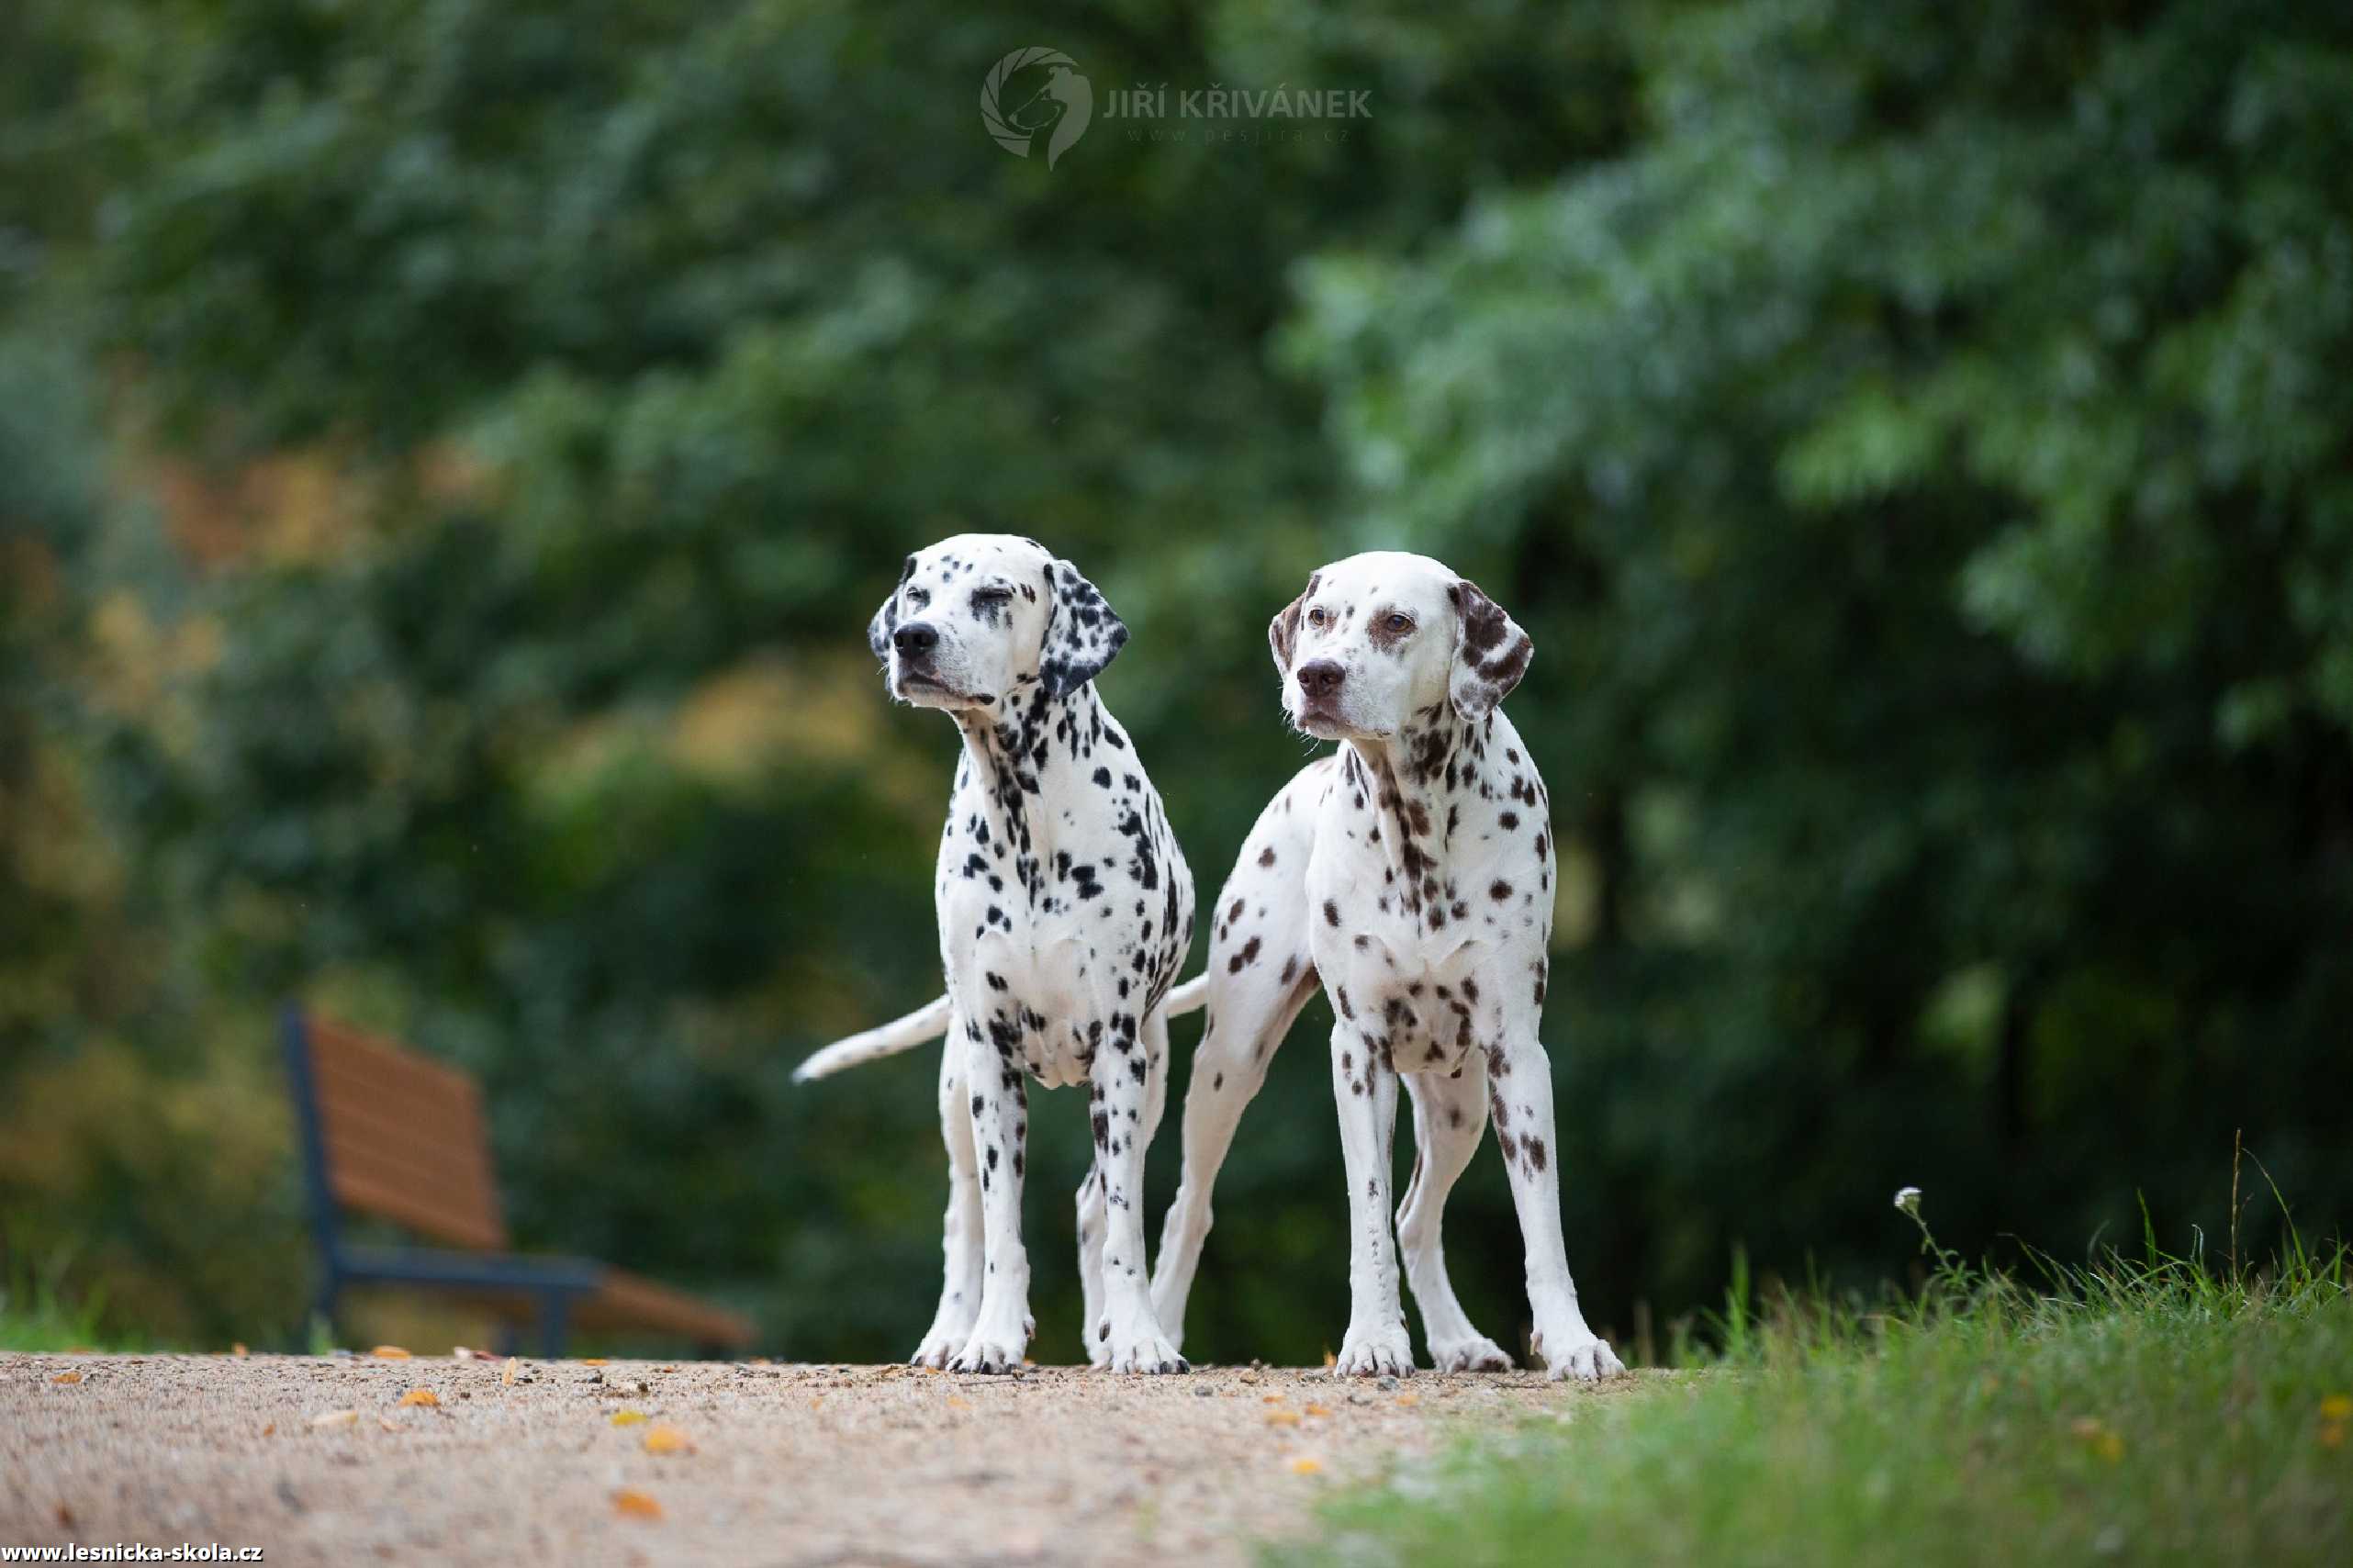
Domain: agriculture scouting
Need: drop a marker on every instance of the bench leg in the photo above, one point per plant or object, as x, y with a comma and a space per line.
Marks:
554, 1307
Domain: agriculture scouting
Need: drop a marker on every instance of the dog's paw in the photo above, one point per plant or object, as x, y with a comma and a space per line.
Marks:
1476, 1354
1143, 1350
987, 1353
1375, 1352
1583, 1357
937, 1349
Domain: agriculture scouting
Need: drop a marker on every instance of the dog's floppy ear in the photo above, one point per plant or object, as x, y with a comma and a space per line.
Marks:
1083, 635
886, 620
1491, 652
1282, 631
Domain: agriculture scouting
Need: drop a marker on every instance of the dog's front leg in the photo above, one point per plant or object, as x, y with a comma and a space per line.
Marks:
999, 1107
959, 1296
1128, 1083
1365, 1084
1520, 1093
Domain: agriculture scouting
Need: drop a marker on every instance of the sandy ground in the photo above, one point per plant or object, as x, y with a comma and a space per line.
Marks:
318, 1459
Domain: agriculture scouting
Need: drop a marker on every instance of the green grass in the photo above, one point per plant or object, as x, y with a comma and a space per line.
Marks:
35, 1314
2149, 1411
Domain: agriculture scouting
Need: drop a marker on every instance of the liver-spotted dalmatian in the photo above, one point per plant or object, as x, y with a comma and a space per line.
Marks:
1410, 875
1065, 910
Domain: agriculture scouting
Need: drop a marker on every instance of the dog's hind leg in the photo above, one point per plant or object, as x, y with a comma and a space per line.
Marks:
1449, 1117
959, 1296
1092, 1206
1249, 1011
1123, 1082
1091, 1232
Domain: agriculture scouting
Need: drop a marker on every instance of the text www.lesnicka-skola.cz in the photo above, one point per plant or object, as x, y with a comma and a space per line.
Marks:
131, 1551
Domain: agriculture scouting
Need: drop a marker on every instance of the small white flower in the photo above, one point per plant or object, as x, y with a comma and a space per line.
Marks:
1908, 1200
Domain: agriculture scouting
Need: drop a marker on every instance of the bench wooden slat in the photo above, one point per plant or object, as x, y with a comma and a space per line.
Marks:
625, 1300
363, 1141
405, 1137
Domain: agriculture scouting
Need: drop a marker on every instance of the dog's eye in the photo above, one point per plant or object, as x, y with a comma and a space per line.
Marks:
1316, 616
1400, 624
991, 595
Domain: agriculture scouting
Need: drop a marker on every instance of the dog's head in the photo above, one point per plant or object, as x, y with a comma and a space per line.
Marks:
981, 616
1381, 638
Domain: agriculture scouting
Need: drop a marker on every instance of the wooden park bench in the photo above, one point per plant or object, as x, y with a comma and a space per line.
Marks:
389, 1133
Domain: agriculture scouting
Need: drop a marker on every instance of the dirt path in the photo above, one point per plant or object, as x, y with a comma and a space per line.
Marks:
318, 1459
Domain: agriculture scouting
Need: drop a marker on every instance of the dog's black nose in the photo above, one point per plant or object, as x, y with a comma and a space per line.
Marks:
914, 639
1321, 677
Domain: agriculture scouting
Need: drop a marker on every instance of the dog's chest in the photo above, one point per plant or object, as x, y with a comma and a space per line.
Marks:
1055, 942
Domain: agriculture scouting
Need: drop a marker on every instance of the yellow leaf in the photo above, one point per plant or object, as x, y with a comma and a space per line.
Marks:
1271, 1398
633, 1504
628, 1418
1330, 1360
1317, 1410
958, 1402
389, 1353
239, 1350
67, 1377
1304, 1465
2337, 1407
667, 1439
336, 1418
1282, 1417
508, 1377
424, 1397
1409, 1399
594, 1361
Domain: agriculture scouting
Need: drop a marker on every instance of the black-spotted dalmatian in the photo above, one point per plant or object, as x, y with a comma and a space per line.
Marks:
1065, 909
1410, 875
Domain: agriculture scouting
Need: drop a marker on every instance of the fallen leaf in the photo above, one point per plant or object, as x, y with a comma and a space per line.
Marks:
761, 1361
815, 1400
667, 1439
508, 1377
1317, 1410
633, 1504
67, 1377
239, 1350
389, 1353
1304, 1465
1330, 1360
2337, 1407
1272, 1398
336, 1418
1409, 1399
595, 1362
424, 1397
1282, 1417
628, 1418
958, 1402
270, 1431
64, 1516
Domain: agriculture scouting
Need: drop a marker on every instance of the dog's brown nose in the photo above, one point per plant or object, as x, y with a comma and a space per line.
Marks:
1321, 677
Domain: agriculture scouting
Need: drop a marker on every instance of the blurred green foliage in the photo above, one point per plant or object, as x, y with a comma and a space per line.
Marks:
449, 451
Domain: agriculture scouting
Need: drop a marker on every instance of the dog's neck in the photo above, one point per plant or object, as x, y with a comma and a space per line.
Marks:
1020, 751
1414, 783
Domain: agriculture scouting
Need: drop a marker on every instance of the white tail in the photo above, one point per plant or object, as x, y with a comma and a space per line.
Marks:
926, 1022
930, 1021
